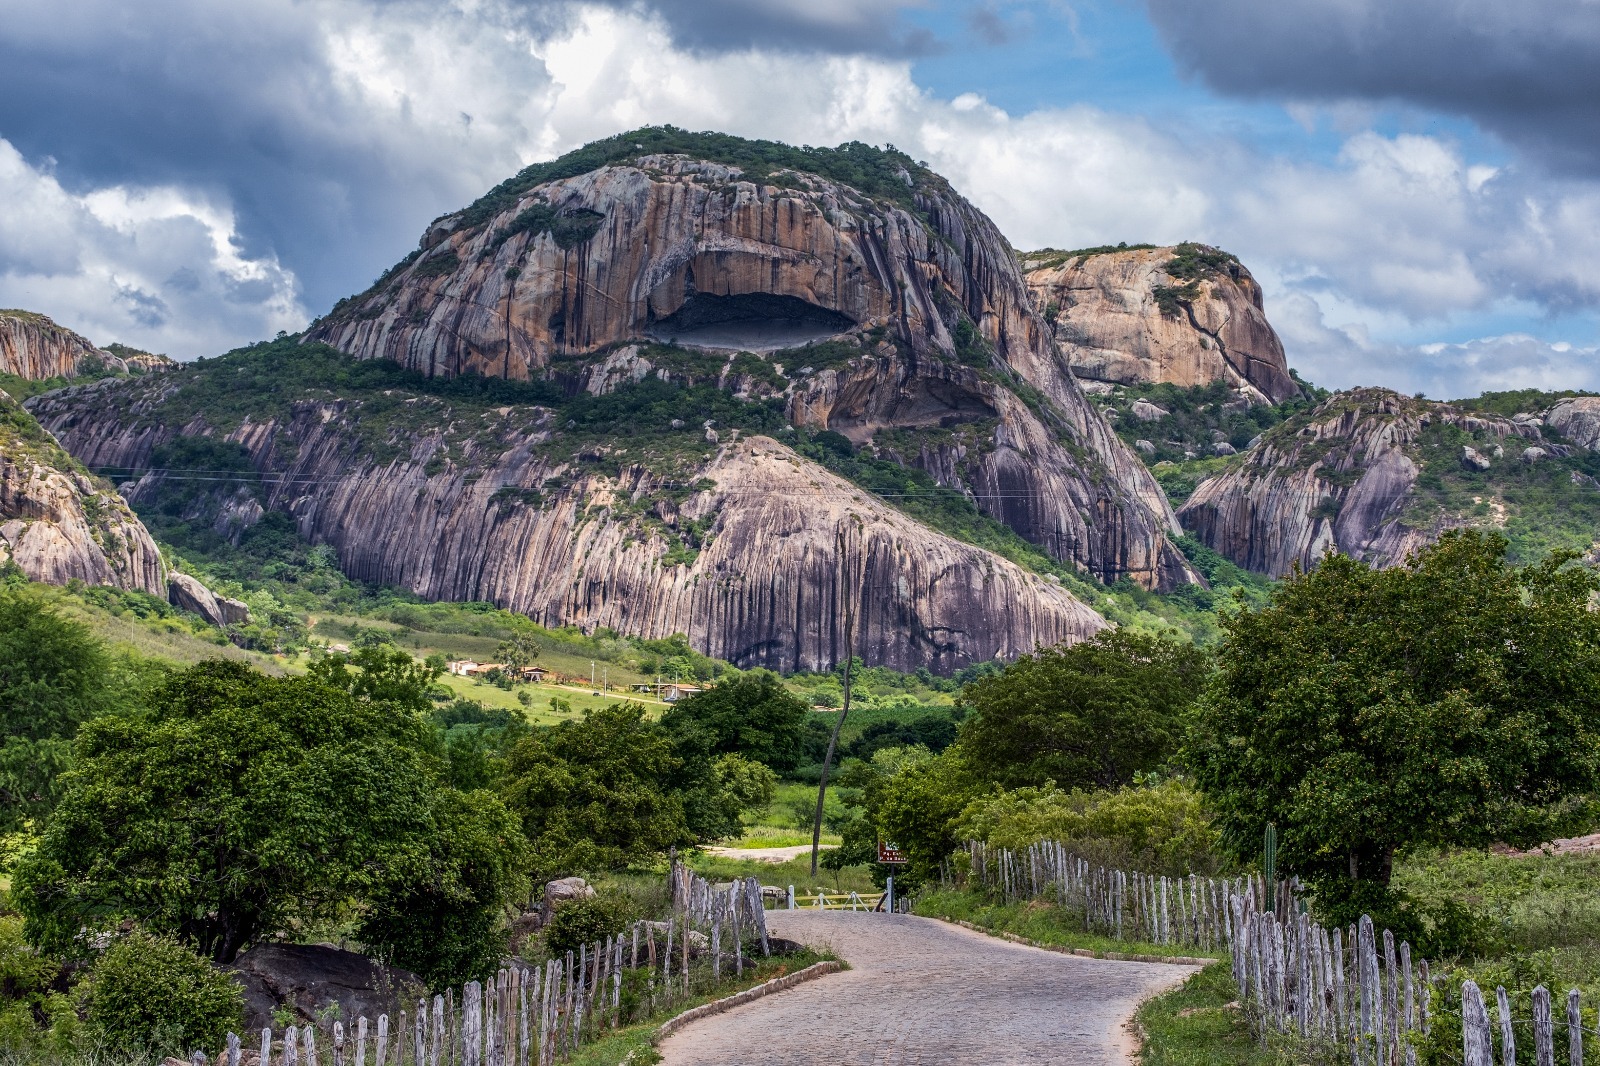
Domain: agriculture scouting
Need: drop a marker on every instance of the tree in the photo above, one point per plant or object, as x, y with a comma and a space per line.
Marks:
518, 652
1451, 700
917, 808
597, 792
753, 716
380, 673
449, 927
237, 804
54, 676
1087, 714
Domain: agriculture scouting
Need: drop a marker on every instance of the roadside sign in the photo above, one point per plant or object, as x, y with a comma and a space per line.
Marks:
889, 852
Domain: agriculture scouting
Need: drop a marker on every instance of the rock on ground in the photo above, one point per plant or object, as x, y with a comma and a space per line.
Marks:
308, 977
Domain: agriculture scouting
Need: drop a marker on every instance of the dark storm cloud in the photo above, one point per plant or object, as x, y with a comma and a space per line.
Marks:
250, 104
1527, 70
844, 26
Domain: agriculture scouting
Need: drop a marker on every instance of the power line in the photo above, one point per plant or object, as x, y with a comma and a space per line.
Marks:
282, 478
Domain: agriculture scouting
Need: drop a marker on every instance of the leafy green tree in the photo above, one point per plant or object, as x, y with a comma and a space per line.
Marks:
1088, 714
754, 716
517, 652
154, 993
238, 804
450, 926
380, 673
917, 807
54, 676
1453, 700
598, 792
584, 921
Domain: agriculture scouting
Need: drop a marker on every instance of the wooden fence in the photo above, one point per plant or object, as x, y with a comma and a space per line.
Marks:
1190, 911
537, 1016
1355, 987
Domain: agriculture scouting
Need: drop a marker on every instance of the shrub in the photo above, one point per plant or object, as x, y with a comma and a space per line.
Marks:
584, 921
1161, 828
152, 992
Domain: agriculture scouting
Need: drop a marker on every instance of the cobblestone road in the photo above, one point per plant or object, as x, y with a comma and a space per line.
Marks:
924, 993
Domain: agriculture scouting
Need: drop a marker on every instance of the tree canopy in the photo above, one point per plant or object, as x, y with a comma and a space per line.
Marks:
240, 803
1453, 700
1091, 714
54, 676
753, 716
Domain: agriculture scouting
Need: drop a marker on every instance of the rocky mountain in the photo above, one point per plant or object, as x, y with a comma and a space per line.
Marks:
58, 523
1188, 315
34, 347
1376, 475
596, 509
849, 286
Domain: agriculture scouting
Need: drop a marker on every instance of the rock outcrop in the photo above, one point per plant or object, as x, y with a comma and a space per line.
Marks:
1344, 478
750, 549
1188, 315
189, 594
1578, 420
58, 523
307, 979
34, 347
917, 314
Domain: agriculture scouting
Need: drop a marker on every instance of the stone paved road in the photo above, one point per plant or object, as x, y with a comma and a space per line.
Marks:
925, 993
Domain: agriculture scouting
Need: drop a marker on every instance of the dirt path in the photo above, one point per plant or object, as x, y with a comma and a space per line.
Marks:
773, 855
923, 992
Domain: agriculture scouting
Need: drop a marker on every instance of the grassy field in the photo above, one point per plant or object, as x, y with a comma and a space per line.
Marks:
177, 638
788, 819
796, 872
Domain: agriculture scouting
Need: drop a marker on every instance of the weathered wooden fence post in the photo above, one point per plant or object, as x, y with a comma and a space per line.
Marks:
1477, 1049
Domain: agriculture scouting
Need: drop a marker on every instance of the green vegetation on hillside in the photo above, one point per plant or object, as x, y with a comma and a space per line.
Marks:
1046, 258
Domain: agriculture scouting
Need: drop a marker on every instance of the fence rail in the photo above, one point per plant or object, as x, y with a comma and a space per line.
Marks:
1354, 986
537, 1016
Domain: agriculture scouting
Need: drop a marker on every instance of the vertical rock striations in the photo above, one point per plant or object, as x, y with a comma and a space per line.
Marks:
1344, 477
1188, 315
750, 549
34, 347
903, 309
59, 524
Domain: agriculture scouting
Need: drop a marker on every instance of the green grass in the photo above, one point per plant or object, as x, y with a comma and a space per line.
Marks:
1038, 920
637, 1039
796, 872
1199, 1024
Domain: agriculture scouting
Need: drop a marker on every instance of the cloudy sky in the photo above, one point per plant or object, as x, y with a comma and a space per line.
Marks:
1415, 182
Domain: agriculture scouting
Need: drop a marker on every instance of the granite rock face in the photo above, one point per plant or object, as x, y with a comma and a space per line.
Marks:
58, 523
753, 551
306, 979
34, 347
1123, 317
925, 293
1340, 480
1577, 419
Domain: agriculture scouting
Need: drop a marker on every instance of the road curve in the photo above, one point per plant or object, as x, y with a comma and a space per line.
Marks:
924, 992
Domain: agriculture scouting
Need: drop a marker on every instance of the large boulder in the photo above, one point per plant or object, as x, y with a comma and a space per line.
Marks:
306, 978
1189, 315
561, 892
189, 594
1577, 419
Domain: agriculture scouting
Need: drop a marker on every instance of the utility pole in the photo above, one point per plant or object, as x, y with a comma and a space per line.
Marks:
833, 741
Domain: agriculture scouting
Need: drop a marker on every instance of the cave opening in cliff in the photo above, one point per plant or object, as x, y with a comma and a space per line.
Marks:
751, 321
